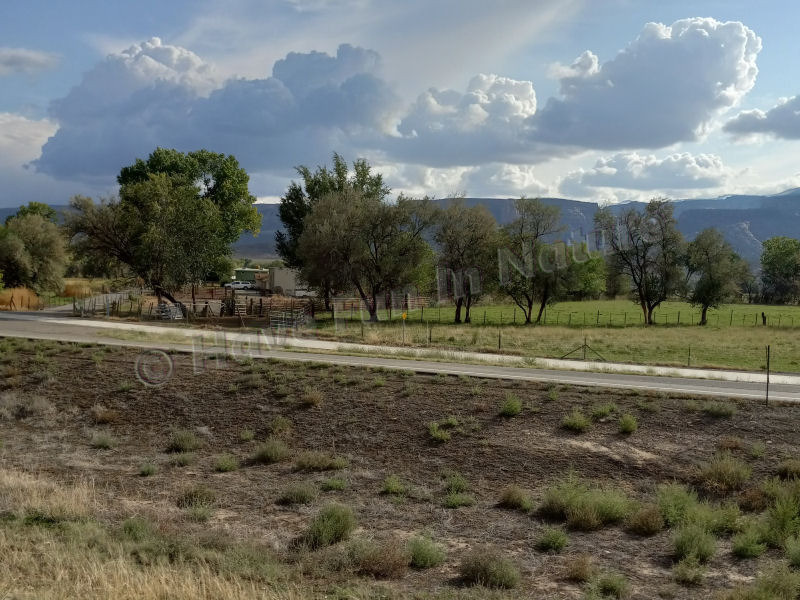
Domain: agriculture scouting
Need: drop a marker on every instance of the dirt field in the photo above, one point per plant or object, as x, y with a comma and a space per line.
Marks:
77, 416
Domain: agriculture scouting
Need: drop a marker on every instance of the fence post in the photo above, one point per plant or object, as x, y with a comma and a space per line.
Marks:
768, 357
499, 337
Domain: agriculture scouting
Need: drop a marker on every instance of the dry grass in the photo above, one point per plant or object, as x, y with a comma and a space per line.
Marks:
27, 496
18, 299
76, 288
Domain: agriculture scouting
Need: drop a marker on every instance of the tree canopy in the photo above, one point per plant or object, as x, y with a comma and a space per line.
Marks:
32, 252
780, 269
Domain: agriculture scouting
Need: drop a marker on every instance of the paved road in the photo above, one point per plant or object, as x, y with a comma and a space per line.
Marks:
12, 326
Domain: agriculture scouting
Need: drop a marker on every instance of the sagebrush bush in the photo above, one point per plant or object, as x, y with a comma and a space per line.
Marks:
298, 493
489, 569
183, 440
647, 520
516, 498
313, 460
693, 541
552, 540
271, 451
576, 421
331, 525
725, 472
425, 553
511, 406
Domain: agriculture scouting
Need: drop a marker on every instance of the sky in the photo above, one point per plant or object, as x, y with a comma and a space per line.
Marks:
601, 100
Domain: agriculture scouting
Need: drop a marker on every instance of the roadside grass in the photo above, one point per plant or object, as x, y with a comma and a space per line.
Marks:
582, 506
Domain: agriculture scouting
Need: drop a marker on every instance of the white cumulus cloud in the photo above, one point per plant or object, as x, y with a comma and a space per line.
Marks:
780, 121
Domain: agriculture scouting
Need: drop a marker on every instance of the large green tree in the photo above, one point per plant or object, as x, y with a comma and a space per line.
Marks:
466, 240
175, 219
358, 241
648, 248
32, 253
780, 270
36, 208
715, 271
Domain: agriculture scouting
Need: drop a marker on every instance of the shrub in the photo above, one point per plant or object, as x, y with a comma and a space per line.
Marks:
271, 451
331, 525
789, 469
601, 411
280, 425
183, 459
515, 497
576, 421
311, 397
393, 486
778, 583
424, 552
782, 520
313, 460
748, 544
147, 469
688, 572
137, 529
511, 406
196, 495
333, 484
675, 500
552, 540
579, 568
647, 520
584, 507
725, 472
298, 493
458, 500
183, 440
792, 549
455, 483
388, 560
693, 541
718, 409
758, 450
609, 585
247, 435
552, 394
102, 441
717, 519
628, 424
226, 463
489, 569
437, 433
753, 500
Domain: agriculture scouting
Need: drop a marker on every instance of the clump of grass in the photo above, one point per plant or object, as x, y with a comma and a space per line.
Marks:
748, 544
688, 572
313, 460
298, 493
280, 425
394, 486
424, 552
628, 424
777, 583
511, 406
516, 498
675, 500
271, 451
601, 411
789, 469
792, 550
281, 391
725, 472
608, 585
387, 560
378, 382
694, 541
198, 503
552, 540
102, 440
576, 421
753, 499
552, 394
147, 469
584, 507
579, 568
458, 500
781, 519
137, 529
247, 435
226, 463
455, 483
311, 397
183, 440
331, 525
758, 450
333, 484
718, 409
489, 569
124, 387
438, 433
183, 459
647, 520
103, 415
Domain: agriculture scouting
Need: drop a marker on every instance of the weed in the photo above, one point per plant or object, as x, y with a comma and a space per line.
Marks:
183, 440
102, 441
579, 568
198, 502
280, 425
758, 450
782, 520
298, 493
552, 540
608, 585
694, 541
583, 507
333, 484
576, 421
628, 424
124, 387
103, 416
458, 500
792, 550
688, 572
311, 397
511, 406
437, 433
147, 469
271, 451
675, 500
725, 472
137, 529
226, 463
748, 545
424, 552
601, 411
718, 409
647, 520
789, 469
552, 394
247, 435
455, 483
778, 583
183, 459
313, 460
516, 498
489, 569
394, 486
281, 391
378, 382
388, 560
331, 525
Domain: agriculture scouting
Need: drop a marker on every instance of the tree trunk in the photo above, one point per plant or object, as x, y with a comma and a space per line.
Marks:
650, 315
645, 313
467, 306
529, 312
459, 302
703, 319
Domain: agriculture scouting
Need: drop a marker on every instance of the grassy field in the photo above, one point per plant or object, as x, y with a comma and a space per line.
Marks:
279, 480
